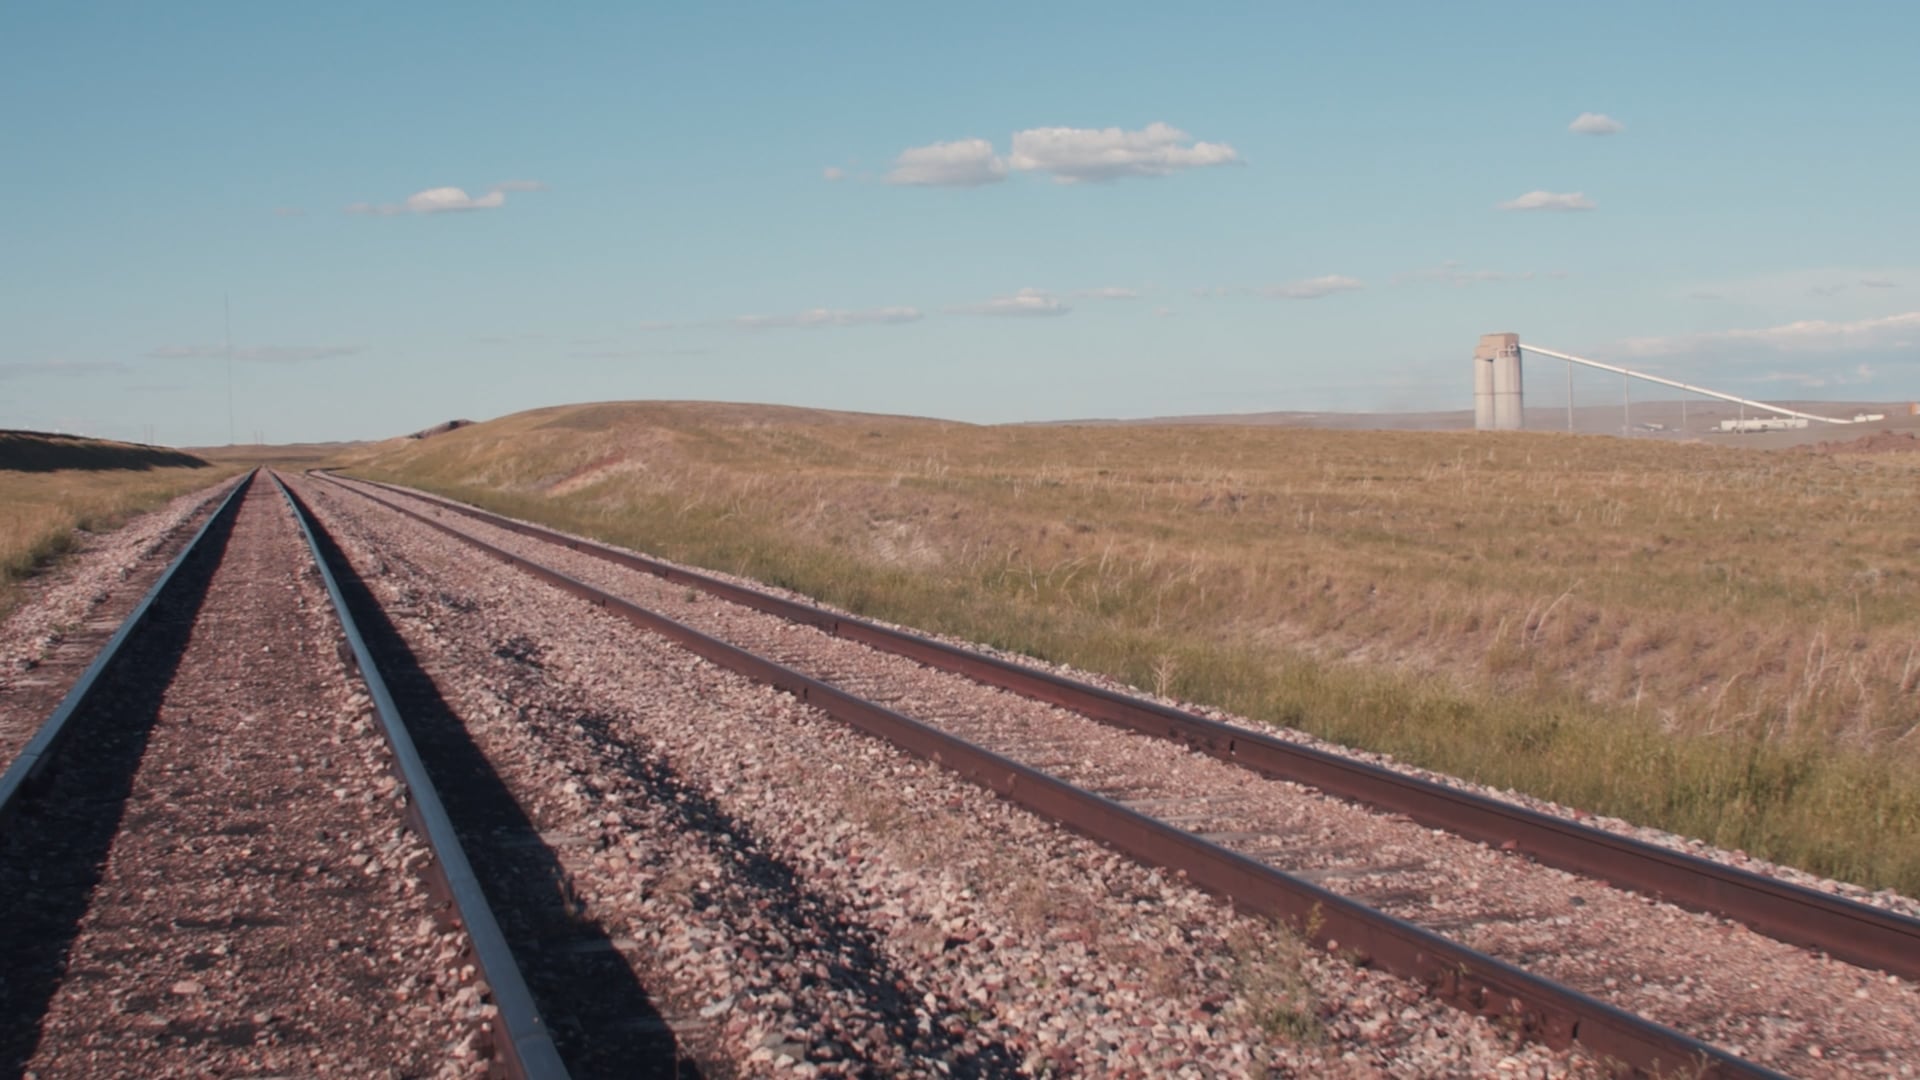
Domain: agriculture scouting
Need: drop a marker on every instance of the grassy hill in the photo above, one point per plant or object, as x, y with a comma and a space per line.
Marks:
35, 451
53, 486
1717, 640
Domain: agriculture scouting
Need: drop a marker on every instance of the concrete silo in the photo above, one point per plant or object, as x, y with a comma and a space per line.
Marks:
1498, 404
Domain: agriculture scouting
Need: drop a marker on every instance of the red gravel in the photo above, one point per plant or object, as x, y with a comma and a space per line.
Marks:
258, 911
70, 611
804, 900
1774, 1003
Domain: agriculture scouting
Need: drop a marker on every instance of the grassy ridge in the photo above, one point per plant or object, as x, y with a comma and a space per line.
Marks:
1713, 641
53, 486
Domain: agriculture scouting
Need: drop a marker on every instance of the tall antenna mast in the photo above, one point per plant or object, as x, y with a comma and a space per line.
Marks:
226, 304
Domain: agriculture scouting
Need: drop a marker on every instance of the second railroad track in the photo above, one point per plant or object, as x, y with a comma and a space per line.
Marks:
1568, 934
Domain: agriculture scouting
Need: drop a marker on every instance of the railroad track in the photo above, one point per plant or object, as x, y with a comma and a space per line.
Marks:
1237, 832
75, 619
204, 864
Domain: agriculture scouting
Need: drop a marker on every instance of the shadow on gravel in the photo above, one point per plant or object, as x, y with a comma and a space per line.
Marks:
603, 1021
854, 962
54, 848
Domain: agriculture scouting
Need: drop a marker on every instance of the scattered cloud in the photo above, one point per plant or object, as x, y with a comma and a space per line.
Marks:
1807, 336
61, 368
289, 211
635, 354
1815, 380
886, 316
1163, 312
442, 200
1069, 155
1804, 379
1110, 292
257, 354
1023, 304
965, 163
1312, 288
1845, 290
1593, 123
833, 173
1454, 274
1074, 155
1549, 200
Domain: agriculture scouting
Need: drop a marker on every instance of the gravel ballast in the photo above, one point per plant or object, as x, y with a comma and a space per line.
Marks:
69, 611
1774, 1003
220, 882
802, 899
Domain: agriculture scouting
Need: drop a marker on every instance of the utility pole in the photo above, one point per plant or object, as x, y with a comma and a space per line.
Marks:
1569, 399
226, 304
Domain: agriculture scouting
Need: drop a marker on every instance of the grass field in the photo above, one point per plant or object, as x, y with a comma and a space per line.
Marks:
53, 487
1717, 641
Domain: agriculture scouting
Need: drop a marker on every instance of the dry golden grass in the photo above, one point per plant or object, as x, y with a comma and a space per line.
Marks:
1720, 641
53, 485
44, 498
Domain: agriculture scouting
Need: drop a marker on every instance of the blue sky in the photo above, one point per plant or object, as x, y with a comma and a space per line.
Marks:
982, 212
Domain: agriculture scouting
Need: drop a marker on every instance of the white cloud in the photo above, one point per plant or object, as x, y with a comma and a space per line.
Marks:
68, 368
1593, 123
636, 354
1861, 373
1788, 290
289, 211
1312, 288
443, 200
1807, 336
1072, 155
1110, 292
886, 316
965, 163
1163, 312
257, 354
1549, 200
1458, 276
833, 172
1025, 303
1803, 379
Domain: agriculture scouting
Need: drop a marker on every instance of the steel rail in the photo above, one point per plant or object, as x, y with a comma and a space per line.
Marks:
1846, 929
26, 770
1531, 1006
524, 1043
